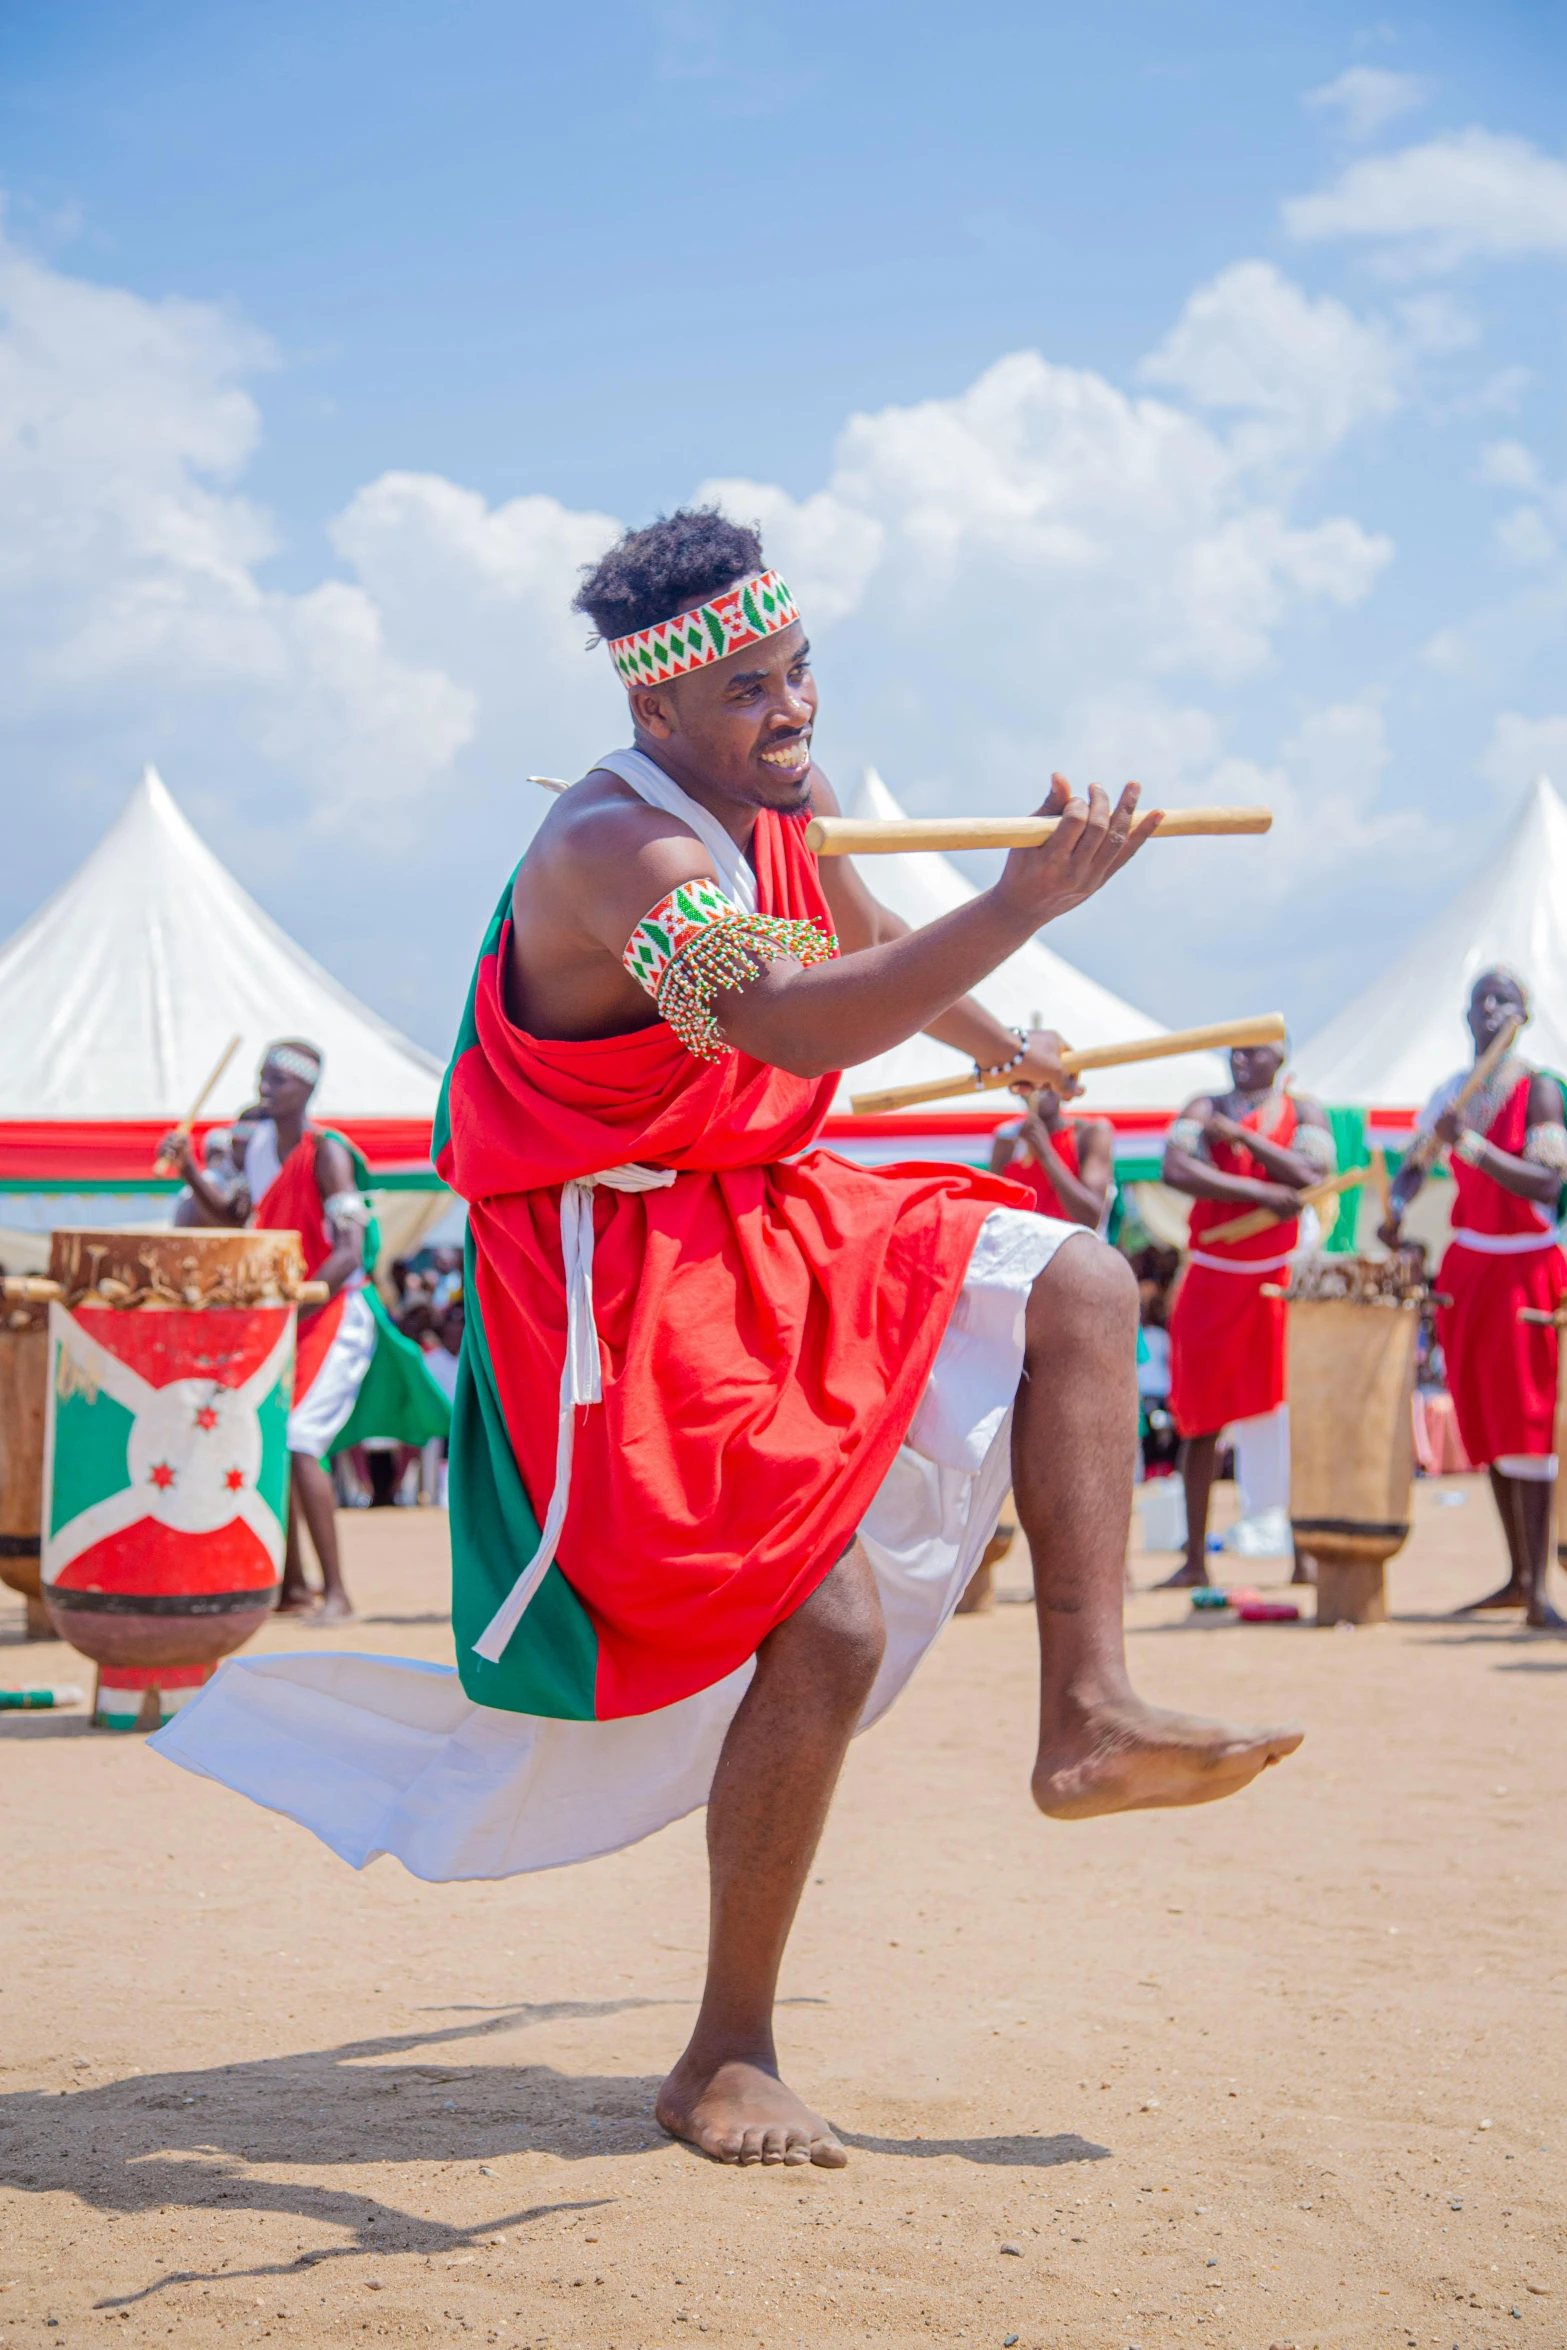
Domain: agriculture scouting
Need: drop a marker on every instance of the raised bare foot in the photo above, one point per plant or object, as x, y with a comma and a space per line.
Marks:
1122, 1755
335, 1608
1510, 1595
1187, 1578
736, 2111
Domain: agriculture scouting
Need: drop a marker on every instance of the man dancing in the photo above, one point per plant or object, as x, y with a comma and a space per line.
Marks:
1255, 1147
1070, 1169
1509, 1161
785, 1472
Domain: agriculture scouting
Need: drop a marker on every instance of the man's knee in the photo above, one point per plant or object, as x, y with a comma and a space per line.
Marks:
837, 1636
1087, 1291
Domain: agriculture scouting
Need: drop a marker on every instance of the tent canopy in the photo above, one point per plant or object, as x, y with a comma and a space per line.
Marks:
120, 993
1395, 1043
1032, 982
117, 997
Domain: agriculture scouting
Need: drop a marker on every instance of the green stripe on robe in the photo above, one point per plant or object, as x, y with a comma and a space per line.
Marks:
551, 1662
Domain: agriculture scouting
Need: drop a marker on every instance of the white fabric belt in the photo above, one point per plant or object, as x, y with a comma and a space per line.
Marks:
1200, 1256
1507, 1244
580, 1380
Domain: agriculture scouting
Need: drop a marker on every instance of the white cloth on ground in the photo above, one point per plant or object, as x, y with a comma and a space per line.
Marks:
380, 1755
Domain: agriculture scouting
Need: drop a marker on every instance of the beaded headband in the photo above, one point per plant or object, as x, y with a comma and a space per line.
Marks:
759, 607
295, 1062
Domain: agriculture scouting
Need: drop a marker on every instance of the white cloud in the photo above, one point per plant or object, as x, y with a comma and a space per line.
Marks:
1522, 748
1466, 195
128, 568
1251, 340
1507, 465
1366, 97
1526, 538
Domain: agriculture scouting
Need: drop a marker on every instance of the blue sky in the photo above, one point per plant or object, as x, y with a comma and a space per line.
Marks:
1137, 389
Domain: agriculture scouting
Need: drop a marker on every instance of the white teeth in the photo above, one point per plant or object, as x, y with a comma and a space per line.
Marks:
792, 755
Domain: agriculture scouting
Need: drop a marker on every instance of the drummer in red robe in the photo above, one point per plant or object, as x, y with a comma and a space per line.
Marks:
1069, 1166
1509, 1146
1254, 1147
296, 1178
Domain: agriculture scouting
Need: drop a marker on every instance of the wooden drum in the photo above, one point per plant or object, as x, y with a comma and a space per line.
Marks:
1353, 1326
169, 1379
24, 1379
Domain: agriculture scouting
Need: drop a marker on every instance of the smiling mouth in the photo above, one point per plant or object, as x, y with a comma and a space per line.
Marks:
788, 757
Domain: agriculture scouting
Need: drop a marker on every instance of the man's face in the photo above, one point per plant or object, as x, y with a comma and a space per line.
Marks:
1254, 1067
741, 728
1494, 1002
283, 1095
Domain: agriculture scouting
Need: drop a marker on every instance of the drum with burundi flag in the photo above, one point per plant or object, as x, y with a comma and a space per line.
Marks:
165, 1485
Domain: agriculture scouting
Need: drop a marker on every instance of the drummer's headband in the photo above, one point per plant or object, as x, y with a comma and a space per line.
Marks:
758, 607
296, 1060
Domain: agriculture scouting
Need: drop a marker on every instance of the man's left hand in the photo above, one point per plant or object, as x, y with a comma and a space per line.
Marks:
1041, 1067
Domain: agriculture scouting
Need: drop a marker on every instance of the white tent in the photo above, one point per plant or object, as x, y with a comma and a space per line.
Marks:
1406, 1032
1033, 981
119, 995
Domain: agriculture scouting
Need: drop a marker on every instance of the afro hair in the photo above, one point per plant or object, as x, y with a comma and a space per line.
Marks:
676, 563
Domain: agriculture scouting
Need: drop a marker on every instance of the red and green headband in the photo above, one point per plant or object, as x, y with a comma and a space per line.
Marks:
759, 607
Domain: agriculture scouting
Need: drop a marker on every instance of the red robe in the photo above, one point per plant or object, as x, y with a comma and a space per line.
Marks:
293, 1203
1226, 1338
767, 1326
1032, 1176
1501, 1372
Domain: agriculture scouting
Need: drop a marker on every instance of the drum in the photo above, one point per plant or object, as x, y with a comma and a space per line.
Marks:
24, 1355
1353, 1327
169, 1379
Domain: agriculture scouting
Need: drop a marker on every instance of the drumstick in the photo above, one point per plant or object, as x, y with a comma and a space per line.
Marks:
1556, 1321
161, 1164
1219, 1036
849, 836
1257, 1220
1426, 1148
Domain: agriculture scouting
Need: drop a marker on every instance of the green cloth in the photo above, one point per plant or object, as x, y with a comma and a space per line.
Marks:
397, 1397
1350, 1149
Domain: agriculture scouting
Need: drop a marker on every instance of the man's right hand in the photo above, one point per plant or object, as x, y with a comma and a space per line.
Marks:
1283, 1199
1088, 848
175, 1151
1391, 1233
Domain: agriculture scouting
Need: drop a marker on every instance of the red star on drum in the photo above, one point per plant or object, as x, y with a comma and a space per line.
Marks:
206, 1417
234, 1480
161, 1475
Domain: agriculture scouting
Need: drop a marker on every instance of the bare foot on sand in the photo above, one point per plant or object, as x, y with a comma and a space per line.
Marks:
737, 2111
1542, 1617
335, 1608
1122, 1755
1185, 1579
1510, 1595
297, 1603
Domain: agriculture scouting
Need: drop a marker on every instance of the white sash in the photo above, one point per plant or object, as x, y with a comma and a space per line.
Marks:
648, 780
1506, 1244
580, 1380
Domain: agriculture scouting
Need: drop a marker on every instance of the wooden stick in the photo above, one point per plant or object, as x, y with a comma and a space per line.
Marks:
1426, 1149
1255, 1220
847, 836
1218, 1036
161, 1165
1556, 1321
30, 1288
1379, 1176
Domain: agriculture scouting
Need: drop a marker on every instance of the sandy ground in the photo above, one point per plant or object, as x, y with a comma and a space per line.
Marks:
1285, 2071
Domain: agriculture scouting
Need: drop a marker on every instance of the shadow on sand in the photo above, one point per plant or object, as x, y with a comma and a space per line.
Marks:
1023, 2153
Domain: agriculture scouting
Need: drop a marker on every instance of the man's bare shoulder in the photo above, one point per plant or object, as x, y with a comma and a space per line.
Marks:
601, 858
1201, 1107
1309, 1111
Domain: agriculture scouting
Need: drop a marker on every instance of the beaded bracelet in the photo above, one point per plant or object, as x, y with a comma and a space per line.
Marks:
1004, 1068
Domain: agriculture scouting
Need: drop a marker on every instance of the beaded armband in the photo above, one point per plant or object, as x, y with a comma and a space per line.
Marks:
696, 943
